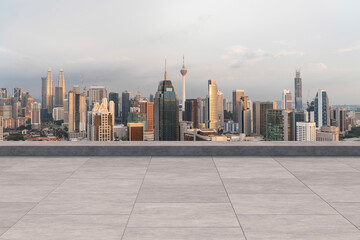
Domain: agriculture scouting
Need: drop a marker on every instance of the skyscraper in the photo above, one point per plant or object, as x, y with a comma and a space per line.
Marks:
183, 72
166, 114
96, 95
17, 94
49, 91
148, 108
280, 125
101, 122
62, 83
43, 92
244, 117
236, 96
115, 98
125, 106
322, 109
35, 115
286, 99
3, 93
59, 100
192, 111
220, 109
212, 112
298, 91
77, 115
337, 119
259, 116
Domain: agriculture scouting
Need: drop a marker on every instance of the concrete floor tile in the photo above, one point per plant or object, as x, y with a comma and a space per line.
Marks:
100, 185
110, 172
11, 212
250, 172
353, 162
183, 234
86, 203
33, 178
315, 165
350, 211
328, 178
3, 230
183, 215
279, 204
337, 192
264, 185
65, 227
298, 227
176, 193
24, 192
117, 162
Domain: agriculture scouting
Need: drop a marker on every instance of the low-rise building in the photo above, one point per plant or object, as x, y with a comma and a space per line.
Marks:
305, 131
328, 133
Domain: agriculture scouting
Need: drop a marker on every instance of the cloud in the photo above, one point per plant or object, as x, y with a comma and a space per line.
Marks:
317, 67
240, 55
83, 60
351, 49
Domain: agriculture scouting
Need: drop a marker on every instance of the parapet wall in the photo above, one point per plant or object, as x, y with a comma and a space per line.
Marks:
54, 149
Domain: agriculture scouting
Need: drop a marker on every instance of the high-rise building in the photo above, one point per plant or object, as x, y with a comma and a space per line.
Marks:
3, 93
148, 108
15, 108
29, 101
202, 110
126, 95
136, 131
77, 115
62, 84
220, 109
115, 98
6, 111
236, 96
192, 111
322, 109
43, 93
259, 116
212, 112
58, 113
151, 98
286, 100
298, 91
96, 94
59, 100
280, 125
66, 113
49, 91
183, 72
35, 115
337, 119
305, 131
17, 94
166, 112
100, 122
244, 117
327, 134
1, 128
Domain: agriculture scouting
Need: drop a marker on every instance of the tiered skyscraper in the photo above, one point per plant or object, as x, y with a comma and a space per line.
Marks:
183, 72
62, 83
298, 91
166, 115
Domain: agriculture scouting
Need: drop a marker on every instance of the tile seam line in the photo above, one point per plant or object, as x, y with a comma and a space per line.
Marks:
356, 227
227, 194
339, 160
137, 195
37, 203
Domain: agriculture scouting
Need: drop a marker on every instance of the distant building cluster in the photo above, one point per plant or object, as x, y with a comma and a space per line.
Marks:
96, 115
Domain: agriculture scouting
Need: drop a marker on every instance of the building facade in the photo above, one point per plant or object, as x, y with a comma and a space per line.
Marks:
298, 91
126, 95
322, 109
100, 125
236, 96
212, 103
286, 100
77, 115
115, 98
259, 116
327, 134
136, 132
192, 112
35, 115
305, 131
96, 95
280, 125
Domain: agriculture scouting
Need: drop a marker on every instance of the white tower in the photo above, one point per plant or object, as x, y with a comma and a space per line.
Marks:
183, 72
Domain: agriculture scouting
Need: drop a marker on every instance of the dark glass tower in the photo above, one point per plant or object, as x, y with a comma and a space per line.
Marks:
298, 92
166, 115
125, 106
115, 98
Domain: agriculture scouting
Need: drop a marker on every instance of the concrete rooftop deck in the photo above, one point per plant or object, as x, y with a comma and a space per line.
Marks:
196, 198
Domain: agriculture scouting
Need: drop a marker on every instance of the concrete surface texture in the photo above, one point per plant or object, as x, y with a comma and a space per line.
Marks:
195, 198
56, 149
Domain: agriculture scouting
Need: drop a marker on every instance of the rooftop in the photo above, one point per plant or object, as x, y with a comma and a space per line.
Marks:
196, 198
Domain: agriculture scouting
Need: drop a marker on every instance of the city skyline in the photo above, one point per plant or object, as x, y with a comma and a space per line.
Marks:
89, 49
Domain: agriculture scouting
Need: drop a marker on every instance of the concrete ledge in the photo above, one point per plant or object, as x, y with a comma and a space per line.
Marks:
178, 149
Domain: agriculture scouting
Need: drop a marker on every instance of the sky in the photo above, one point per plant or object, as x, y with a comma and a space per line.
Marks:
255, 45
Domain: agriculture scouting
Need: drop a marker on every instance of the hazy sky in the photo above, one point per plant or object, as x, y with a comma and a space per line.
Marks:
252, 45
